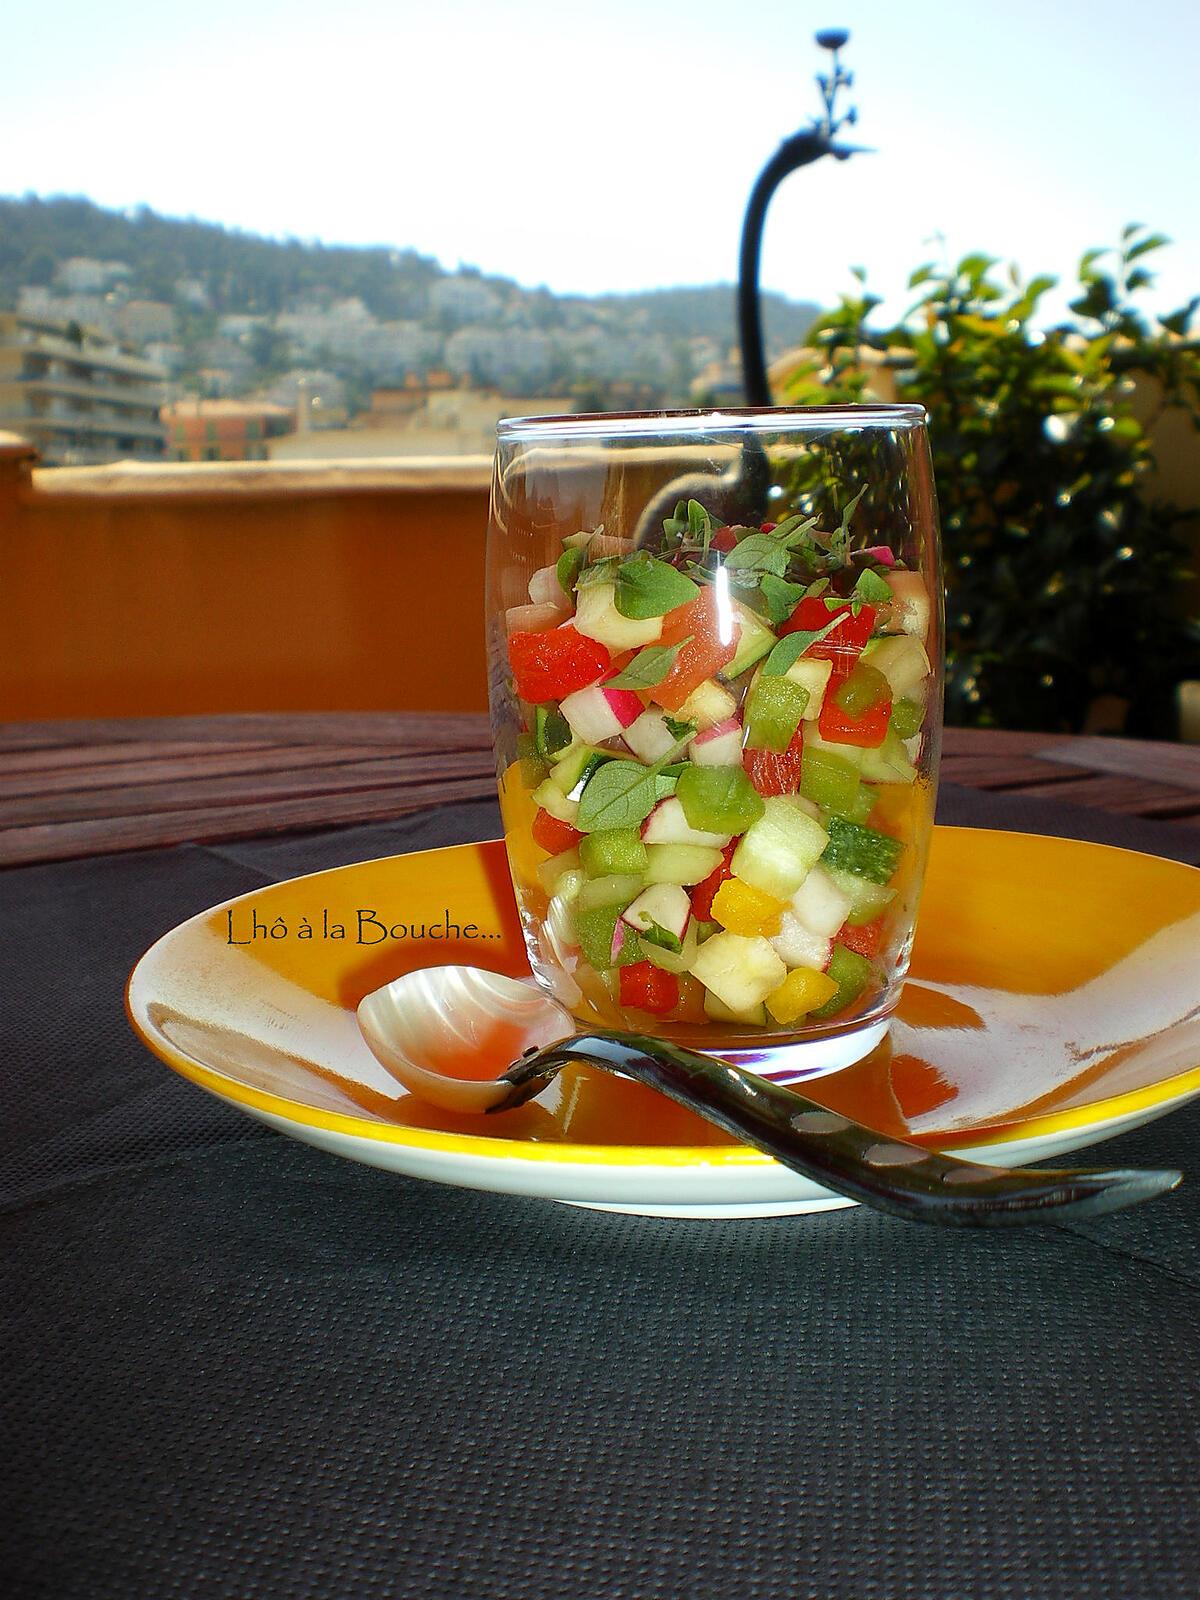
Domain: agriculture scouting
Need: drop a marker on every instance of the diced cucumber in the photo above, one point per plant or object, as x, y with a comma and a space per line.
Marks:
549, 872
709, 703
863, 851
830, 781
612, 850
717, 1011
889, 763
777, 852
551, 798
867, 900
533, 763
687, 864
811, 673
677, 962
616, 890
754, 641
851, 972
902, 660
718, 799
551, 732
573, 769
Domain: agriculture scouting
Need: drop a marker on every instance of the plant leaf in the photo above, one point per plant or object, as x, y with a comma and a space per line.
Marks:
620, 794
648, 667
647, 587
792, 646
758, 552
780, 596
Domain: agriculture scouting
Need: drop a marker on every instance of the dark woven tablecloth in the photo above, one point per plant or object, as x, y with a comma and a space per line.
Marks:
234, 1366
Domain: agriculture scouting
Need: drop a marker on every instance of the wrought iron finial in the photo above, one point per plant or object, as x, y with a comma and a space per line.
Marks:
803, 148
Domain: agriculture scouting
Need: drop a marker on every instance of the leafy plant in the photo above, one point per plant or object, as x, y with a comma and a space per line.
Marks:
1065, 582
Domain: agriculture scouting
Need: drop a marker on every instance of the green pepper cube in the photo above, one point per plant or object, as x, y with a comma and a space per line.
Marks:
718, 799
851, 972
829, 781
774, 709
907, 717
863, 690
612, 850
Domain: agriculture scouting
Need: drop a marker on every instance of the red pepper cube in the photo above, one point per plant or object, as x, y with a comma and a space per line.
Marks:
645, 987
554, 663
554, 835
850, 635
702, 895
724, 540
867, 732
776, 772
865, 941
698, 629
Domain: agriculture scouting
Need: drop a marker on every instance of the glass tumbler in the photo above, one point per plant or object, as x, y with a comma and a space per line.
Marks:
715, 661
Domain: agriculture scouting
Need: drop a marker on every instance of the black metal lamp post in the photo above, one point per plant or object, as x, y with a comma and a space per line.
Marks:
803, 148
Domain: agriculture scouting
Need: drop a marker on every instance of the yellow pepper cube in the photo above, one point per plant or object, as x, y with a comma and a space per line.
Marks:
802, 991
741, 908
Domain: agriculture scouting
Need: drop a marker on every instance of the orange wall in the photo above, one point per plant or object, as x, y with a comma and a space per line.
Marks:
295, 600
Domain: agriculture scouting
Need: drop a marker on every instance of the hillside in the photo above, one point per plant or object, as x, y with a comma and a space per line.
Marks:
235, 310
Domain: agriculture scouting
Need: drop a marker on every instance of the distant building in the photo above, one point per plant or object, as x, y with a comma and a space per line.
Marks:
143, 320
82, 275
77, 394
193, 292
223, 430
417, 421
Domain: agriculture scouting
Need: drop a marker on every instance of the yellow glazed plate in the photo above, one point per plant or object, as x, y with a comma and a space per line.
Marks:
1054, 1001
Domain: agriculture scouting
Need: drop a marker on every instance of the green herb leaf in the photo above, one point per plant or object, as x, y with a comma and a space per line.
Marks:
871, 588
792, 646
839, 544
567, 568
656, 934
648, 667
793, 531
602, 571
780, 596
620, 794
679, 730
647, 587
758, 552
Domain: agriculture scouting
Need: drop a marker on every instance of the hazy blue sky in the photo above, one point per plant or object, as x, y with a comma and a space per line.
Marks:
613, 146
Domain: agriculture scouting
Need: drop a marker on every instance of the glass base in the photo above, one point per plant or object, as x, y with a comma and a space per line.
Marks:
807, 1058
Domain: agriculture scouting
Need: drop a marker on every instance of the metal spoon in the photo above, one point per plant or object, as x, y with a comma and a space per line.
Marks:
425, 1025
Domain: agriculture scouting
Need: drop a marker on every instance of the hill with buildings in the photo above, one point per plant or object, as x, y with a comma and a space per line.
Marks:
227, 314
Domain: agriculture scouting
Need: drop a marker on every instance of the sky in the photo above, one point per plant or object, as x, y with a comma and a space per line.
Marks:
613, 146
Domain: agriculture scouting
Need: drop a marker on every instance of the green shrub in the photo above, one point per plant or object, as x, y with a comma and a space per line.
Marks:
1065, 583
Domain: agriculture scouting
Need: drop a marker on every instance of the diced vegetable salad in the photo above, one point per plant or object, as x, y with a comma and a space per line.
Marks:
721, 760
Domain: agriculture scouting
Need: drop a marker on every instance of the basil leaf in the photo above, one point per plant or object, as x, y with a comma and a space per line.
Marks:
662, 937
871, 588
792, 646
759, 552
566, 569
664, 785
601, 571
781, 597
646, 587
620, 794
793, 531
679, 730
648, 667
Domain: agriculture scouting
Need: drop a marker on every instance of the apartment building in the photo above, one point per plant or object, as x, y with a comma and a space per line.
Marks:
77, 394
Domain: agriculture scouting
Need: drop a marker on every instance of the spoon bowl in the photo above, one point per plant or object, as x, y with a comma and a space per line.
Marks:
473, 1041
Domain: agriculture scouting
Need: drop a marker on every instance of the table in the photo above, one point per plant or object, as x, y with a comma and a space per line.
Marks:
231, 1365
86, 788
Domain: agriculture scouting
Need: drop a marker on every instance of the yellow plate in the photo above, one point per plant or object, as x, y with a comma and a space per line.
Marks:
1053, 1001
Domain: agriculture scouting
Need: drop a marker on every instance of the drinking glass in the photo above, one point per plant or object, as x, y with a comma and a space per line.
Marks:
715, 662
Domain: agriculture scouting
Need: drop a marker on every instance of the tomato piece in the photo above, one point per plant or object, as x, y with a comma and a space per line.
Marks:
867, 732
704, 653
553, 834
851, 633
646, 987
553, 663
865, 940
776, 771
703, 894
724, 540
